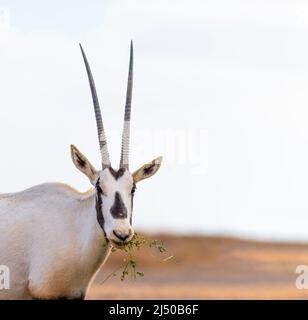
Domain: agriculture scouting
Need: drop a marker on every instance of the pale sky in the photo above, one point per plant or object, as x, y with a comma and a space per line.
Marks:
220, 91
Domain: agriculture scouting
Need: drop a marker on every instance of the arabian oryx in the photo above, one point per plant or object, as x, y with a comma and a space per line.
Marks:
54, 239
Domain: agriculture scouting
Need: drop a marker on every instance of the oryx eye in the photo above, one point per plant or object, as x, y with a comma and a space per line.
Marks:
133, 189
99, 189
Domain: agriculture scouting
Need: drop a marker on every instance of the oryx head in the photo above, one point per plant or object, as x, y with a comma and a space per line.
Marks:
114, 187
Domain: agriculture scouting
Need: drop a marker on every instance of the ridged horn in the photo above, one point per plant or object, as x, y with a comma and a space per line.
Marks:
98, 116
124, 162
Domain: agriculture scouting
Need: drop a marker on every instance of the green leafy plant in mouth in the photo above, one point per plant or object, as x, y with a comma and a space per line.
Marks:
129, 267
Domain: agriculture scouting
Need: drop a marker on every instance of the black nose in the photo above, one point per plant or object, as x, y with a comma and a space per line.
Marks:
121, 235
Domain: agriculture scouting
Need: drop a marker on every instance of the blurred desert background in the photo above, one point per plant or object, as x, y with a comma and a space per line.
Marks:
207, 268
220, 91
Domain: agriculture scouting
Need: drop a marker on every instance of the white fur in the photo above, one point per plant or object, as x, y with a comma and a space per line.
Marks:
51, 241
110, 186
50, 237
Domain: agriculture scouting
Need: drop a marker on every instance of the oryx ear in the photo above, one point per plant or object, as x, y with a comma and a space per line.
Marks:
147, 170
83, 164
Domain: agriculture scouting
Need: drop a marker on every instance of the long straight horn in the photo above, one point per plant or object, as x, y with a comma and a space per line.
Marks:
124, 162
99, 122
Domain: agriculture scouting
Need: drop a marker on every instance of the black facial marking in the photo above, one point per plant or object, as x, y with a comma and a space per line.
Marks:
133, 189
98, 205
80, 161
117, 174
118, 209
132, 203
148, 170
